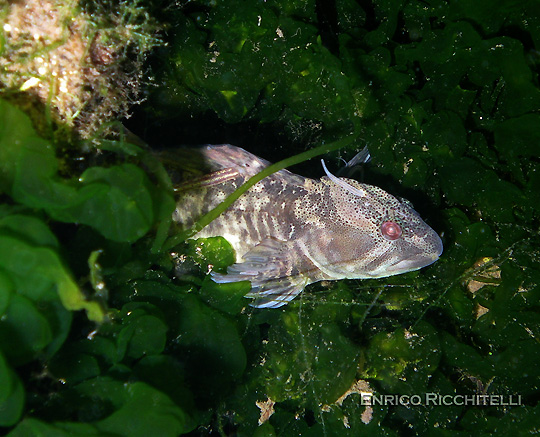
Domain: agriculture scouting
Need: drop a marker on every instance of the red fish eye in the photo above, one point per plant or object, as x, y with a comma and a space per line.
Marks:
391, 230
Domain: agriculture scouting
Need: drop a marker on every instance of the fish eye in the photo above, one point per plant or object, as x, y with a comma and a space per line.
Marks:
391, 230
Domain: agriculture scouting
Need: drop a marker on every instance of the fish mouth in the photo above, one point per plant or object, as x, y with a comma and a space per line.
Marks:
413, 263
419, 260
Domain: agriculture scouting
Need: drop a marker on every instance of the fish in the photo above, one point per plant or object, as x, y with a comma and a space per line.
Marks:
355, 164
289, 231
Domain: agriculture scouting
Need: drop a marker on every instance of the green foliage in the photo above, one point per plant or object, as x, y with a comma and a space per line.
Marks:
139, 410
118, 201
446, 96
38, 292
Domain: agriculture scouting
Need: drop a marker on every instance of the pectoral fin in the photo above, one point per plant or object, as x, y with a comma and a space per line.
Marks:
271, 268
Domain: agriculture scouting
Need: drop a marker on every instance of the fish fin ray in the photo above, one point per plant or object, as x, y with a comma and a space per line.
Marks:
215, 178
357, 163
270, 268
277, 292
227, 156
217, 164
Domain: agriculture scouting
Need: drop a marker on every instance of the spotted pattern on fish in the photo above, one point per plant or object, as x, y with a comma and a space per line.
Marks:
289, 231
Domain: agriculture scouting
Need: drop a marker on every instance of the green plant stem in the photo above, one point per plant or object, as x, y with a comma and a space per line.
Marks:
214, 213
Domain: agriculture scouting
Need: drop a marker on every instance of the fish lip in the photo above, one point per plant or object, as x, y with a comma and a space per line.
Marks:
419, 260
438, 246
415, 262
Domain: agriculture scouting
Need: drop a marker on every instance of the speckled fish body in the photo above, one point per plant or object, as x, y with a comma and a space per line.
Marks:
289, 231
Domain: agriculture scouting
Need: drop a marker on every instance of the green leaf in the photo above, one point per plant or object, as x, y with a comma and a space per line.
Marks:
145, 335
518, 136
229, 298
7, 288
445, 130
166, 373
117, 202
14, 128
214, 352
139, 410
36, 269
74, 365
35, 427
24, 331
12, 395
215, 253
28, 228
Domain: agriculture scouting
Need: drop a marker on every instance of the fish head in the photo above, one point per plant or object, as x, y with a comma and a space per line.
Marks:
369, 233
